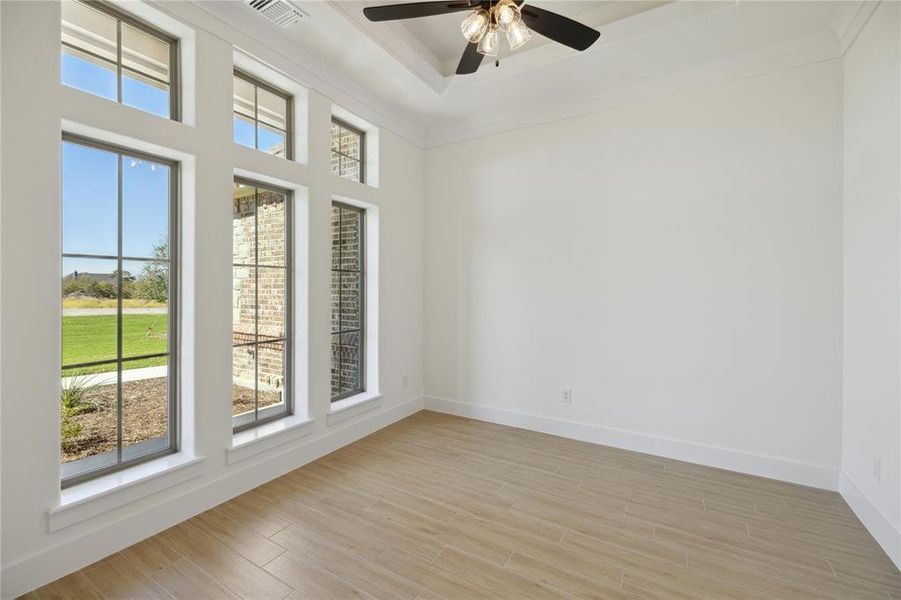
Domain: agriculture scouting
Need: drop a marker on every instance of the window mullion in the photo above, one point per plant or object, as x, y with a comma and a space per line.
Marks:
341, 151
119, 61
256, 300
119, 220
145, 75
361, 296
340, 297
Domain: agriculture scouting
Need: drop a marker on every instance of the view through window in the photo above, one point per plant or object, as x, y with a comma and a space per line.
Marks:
112, 55
261, 301
347, 301
118, 392
347, 151
262, 116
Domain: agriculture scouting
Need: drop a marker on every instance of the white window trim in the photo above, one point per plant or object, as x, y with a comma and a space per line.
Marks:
103, 494
261, 438
349, 408
371, 323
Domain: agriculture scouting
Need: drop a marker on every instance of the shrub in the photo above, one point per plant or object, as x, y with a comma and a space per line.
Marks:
86, 286
73, 397
73, 402
68, 430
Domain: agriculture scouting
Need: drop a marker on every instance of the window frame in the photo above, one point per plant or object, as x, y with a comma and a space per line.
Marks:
173, 309
289, 310
258, 83
362, 160
362, 330
174, 82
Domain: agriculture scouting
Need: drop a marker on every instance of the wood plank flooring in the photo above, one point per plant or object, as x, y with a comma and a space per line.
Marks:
436, 507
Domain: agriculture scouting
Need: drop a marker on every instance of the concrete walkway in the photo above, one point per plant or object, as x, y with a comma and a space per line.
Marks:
90, 312
127, 375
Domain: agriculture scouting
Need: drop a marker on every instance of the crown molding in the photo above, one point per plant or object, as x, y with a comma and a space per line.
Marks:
273, 46
849, 19
811, 50
269, 44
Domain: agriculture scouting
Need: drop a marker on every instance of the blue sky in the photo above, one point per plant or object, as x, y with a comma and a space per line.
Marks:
243, 134
90, 181
93, 78
90, 177
90, 213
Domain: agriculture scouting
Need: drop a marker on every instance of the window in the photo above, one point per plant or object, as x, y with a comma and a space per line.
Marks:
261, 303
119, 308
110, 54
347, 151
262, 116
348, 289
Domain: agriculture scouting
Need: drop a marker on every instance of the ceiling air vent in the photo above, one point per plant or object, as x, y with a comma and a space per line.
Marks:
280, 12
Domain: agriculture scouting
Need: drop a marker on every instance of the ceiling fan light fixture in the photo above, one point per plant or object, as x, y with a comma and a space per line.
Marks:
506, 13
518, 34
484, 19
488, 43
475, 25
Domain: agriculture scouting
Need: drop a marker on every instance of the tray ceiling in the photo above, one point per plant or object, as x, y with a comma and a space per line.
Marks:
645, 45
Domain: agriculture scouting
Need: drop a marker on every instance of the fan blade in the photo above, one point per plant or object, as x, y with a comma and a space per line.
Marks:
559, 28
470, 61
414, 10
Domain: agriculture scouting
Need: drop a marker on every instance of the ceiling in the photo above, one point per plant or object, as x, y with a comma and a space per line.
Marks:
441, 35
646, 47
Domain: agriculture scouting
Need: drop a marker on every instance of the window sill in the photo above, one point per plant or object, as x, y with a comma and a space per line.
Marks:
351, 407
251, 442
103, 494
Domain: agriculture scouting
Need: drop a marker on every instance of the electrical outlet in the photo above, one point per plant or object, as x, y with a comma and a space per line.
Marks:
403, 382
567, 396
877, 469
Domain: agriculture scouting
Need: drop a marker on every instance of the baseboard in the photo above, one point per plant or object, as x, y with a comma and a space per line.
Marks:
819, 476
81, 550
882, 530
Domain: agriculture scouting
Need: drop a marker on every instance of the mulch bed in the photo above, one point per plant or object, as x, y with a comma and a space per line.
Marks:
242, 399
145, 415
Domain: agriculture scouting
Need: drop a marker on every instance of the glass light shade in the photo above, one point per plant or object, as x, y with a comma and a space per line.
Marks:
474, 26
488, 43
518, 34
506, 13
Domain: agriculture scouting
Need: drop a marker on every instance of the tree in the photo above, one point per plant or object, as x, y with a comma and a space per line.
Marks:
153, 282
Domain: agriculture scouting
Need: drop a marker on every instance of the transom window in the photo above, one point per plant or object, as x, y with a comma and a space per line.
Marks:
113, 55
348, 159
261, 303
119, 308
262, 116
347, 301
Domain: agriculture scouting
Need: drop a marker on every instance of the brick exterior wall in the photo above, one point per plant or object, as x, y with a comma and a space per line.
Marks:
347, 301
259, 240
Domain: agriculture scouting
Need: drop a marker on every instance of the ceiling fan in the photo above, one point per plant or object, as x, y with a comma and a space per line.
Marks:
480, 28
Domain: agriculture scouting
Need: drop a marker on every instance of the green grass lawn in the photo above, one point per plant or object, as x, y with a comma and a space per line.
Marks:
93, 338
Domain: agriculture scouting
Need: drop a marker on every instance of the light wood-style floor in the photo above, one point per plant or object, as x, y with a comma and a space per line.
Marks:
442, 507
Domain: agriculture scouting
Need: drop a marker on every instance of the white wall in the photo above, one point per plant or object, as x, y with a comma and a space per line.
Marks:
872, 276
34, 106
677, 263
